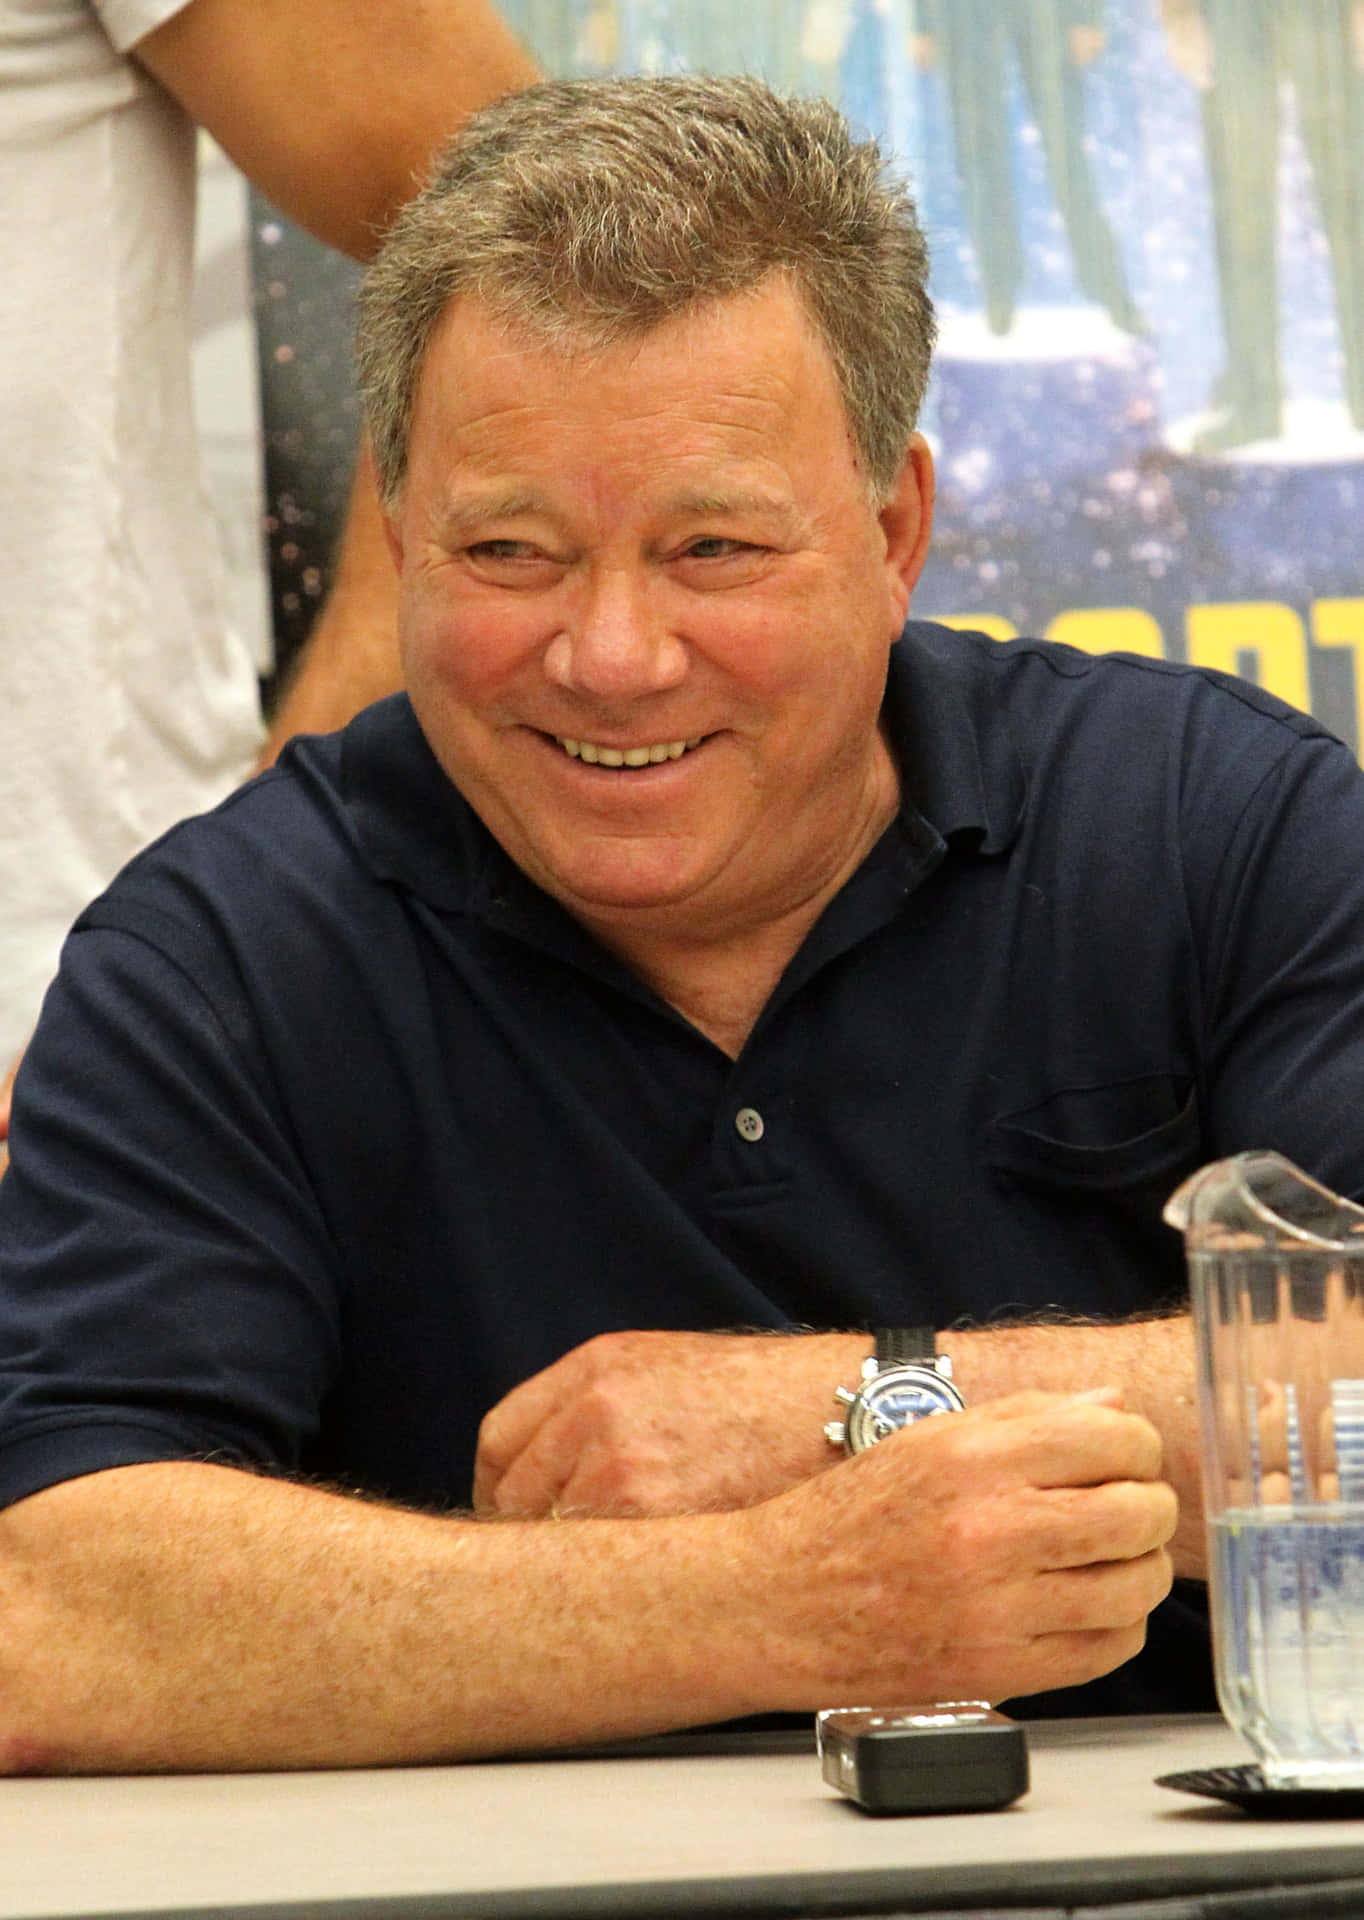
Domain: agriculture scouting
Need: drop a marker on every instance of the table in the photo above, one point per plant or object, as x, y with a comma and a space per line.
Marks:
741, 1827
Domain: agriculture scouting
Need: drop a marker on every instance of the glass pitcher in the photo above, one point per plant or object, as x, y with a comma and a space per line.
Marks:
1276, 1271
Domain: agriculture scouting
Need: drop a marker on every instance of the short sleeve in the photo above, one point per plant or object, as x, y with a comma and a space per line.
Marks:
128, 21
167, 1286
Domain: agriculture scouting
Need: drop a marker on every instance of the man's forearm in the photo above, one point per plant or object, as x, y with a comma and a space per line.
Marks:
587, 1432
676, 1422
183, 1616
1151, 1360
189, 1616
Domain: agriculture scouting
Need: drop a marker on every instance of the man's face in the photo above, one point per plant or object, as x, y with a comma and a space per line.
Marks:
647, 606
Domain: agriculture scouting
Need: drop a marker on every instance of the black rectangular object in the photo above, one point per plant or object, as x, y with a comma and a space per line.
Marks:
956, 1756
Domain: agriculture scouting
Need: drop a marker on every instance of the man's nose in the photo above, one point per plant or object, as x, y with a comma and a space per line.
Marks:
616, 642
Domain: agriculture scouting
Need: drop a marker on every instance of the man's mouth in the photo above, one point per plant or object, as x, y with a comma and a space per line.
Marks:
652, 756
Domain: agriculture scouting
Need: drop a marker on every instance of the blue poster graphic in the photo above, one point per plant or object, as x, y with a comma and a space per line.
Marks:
1146, 220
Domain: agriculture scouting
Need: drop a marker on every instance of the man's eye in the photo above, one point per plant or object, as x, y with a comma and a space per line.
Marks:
503, 550
714, 547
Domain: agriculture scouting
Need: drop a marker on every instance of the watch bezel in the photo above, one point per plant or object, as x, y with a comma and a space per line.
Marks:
860, 1426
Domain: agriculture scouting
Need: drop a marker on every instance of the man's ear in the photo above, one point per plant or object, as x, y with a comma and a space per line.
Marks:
907, 523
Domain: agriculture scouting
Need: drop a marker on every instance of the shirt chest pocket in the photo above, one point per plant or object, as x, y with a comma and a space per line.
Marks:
1125, 1135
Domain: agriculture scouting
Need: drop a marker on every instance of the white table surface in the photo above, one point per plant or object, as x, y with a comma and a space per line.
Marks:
640, 1836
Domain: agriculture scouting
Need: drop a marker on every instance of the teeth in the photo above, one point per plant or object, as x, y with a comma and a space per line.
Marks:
596, 756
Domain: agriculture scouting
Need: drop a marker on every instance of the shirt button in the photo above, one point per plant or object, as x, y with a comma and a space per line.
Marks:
749, 1123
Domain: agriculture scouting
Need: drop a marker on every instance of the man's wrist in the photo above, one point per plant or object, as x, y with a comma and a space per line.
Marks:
905, 1379
904, 1346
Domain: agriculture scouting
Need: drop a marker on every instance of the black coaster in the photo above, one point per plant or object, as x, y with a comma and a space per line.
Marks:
1245, 1787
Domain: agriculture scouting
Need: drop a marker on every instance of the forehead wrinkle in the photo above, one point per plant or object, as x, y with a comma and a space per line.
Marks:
756, 408
726, 432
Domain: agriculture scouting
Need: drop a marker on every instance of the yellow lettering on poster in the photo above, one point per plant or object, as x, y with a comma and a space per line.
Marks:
1340, 623
1219, 635
1110, 630
994, 624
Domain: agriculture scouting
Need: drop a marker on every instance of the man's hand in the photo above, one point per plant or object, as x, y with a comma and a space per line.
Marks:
1152, 1361
1008, 1549
635, 1423
186, 1615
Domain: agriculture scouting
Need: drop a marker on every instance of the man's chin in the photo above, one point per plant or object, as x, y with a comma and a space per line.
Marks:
599, 876
629, 889
599, 898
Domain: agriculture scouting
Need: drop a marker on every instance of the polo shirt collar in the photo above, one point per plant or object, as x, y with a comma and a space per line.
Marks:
959, 767
961, 779
413, 825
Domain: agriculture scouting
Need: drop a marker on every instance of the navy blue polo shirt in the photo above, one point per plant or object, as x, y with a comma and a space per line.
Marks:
335, 1127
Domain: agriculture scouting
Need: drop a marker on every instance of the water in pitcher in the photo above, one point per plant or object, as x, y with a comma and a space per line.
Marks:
1276, 1273
1289, 1588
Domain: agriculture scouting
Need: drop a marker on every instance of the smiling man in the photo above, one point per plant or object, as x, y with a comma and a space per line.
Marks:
485, 1106
649, 601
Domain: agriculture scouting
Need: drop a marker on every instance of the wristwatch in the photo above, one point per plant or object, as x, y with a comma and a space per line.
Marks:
905, 1380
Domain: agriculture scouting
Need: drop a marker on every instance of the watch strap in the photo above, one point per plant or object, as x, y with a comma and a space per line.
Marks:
905, 1346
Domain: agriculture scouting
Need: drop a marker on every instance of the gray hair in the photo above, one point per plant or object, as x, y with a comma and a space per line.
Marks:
586, 212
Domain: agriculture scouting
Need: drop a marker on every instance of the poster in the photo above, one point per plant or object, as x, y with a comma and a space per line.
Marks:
1146, 220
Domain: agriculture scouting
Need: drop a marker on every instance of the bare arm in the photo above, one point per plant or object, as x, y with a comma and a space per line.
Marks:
666, 1423
191, 1616
6, 1095
351, 654
676, 1422
334, 111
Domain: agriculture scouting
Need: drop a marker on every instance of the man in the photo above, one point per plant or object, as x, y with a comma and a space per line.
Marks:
127, 699
663, 968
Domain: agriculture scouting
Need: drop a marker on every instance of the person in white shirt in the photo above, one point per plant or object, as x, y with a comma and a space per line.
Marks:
126, 699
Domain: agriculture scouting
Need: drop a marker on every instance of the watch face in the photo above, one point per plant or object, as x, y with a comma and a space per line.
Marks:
895, 1398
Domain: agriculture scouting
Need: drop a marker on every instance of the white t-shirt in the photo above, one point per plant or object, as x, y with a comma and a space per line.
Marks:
126, 699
